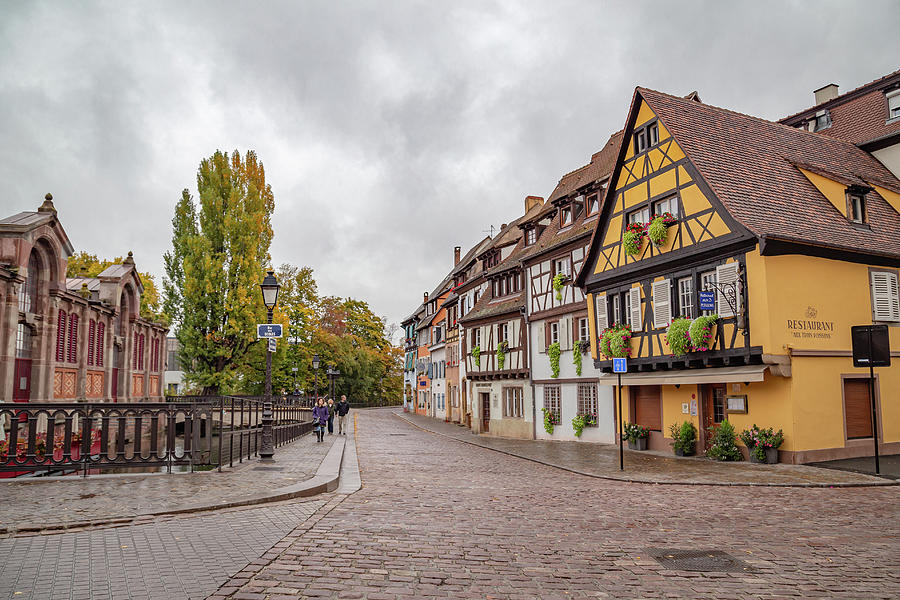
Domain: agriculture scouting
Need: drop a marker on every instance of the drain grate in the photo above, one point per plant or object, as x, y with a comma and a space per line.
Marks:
398, 434
268, 468
699, 560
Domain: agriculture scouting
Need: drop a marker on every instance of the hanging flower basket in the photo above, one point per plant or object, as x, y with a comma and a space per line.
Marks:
633, 239
502, 349
615, 342
553, 352
558, 282
701, 332
476, 355
678, 336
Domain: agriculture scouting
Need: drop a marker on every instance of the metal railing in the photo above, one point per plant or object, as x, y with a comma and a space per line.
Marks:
96, 437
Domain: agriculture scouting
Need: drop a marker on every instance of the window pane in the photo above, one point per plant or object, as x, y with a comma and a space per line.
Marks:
686, 297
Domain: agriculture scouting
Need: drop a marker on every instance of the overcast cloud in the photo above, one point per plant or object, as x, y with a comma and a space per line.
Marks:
390, 131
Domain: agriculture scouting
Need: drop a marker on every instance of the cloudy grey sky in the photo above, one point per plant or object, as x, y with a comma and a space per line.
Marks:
390, 131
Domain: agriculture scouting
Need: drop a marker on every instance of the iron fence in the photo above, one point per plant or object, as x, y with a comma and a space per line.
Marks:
184, 433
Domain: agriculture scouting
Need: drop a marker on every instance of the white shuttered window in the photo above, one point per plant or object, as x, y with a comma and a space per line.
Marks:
600, 309
885, 296
634, 308
727, 279
662, 305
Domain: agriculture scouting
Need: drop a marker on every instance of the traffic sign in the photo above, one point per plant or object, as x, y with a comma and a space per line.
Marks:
272, 345
620, 365
707, 301
871, 346
268, 330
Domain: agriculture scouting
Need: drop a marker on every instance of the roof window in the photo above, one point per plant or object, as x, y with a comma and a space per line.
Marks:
893, 100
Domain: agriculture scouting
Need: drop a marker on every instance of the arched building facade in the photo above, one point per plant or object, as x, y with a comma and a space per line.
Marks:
76, 339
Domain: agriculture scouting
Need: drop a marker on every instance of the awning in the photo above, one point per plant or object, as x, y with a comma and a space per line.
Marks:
716, 375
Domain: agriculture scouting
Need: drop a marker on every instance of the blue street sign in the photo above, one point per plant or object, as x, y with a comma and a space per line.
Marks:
620, 365
268, 330
707, 301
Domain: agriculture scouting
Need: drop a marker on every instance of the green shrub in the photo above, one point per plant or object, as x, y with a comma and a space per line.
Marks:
558, 282
684, 436
632, 242
658, 231
501, 354
578, 425
723, 446
678, 336
553, 351
476, 355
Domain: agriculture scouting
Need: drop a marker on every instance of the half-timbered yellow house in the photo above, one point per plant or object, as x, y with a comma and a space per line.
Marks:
793, 236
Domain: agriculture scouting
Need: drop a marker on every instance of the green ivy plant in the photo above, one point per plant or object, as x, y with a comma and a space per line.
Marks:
723, 446
578, 425
576, 357
658, 231
615, 342
501, 354
553, 351
678, 337
558, 282
476, 354
550, 421
701, 332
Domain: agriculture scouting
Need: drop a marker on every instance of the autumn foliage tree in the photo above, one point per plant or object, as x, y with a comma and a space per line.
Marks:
84, 264
220, 250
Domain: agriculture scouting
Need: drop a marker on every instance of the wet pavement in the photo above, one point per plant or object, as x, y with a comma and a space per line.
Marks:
29, 503
602, 460
436, 518
889, 465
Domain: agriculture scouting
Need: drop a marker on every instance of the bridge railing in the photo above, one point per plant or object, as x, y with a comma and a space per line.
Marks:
89, 437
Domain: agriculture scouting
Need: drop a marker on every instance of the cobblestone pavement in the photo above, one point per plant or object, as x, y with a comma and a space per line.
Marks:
439, 519
173, 557
603, 460
46, 502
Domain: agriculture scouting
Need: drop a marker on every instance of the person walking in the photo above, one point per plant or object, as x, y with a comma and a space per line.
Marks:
320, 417
331, 410
343, 407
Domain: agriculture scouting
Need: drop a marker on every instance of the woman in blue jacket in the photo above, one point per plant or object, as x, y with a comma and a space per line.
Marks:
320, 418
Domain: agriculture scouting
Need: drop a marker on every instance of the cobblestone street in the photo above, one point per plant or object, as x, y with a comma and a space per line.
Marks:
437, 518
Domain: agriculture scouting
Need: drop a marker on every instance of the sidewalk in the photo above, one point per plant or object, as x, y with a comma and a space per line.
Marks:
602, 460
64, 502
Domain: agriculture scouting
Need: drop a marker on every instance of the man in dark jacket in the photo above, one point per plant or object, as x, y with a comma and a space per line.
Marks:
343, 407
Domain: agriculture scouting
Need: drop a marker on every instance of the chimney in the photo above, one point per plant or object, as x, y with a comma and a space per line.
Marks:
456, 250
425, 299
532, 201
824, 94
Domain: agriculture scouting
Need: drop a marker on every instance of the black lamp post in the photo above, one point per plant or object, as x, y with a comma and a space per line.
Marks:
269, 287
316, 372
332, 375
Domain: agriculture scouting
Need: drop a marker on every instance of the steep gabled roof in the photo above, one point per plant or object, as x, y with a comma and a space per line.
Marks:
752, 166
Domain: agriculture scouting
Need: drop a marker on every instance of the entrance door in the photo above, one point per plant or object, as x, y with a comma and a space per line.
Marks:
646, 408
485, 411
713, 410
857, 408
22, 387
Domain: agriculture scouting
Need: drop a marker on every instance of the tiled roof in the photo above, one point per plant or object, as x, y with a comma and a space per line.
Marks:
601, 165
750, 163
485, 308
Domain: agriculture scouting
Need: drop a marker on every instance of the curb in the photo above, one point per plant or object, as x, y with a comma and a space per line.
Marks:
326, 479
885, 483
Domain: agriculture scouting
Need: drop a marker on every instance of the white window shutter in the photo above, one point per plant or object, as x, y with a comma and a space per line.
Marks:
885, 296
634, 305
565, 336
726, 281
662, 306
541, 338
600, 305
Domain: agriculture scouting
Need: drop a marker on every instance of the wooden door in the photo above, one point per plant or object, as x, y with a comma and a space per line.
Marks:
857, 408
485, 411
646, 407
22, 384
713, 410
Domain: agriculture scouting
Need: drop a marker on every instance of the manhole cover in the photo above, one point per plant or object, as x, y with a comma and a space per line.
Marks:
698, 560
268, 468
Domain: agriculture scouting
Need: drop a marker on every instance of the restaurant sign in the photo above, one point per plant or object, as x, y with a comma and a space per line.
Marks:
811, 326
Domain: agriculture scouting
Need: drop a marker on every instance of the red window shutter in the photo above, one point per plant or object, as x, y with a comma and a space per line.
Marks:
134, 353
61, 337
141, 354
101, 342
92, 337
73, 338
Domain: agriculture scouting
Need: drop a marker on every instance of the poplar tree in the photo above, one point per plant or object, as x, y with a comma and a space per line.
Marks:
220, 249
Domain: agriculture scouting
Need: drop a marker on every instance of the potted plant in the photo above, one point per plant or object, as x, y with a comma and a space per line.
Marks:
551, 420
678, 336
684, 438
633, 238
637, 436
762, 444
723, 446
553, 352
701, 332
615, 342
559, 280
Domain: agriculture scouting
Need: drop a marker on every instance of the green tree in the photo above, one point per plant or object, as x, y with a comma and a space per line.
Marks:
84, 264
220, 248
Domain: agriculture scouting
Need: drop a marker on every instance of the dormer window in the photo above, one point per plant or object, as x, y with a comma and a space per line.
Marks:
856, 206
823, 120
646, 137
593, 204
565, 216
893, 100
531, 237
653, 134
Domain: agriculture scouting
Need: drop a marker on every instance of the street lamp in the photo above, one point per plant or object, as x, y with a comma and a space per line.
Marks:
332, 375
316, 371
269, 287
